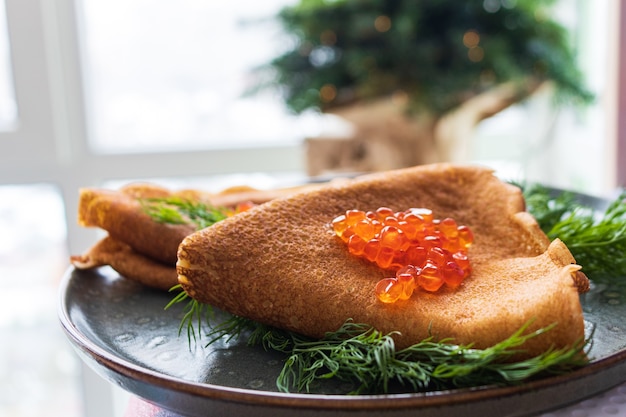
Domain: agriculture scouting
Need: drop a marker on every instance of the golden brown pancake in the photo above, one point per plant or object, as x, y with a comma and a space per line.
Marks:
128, 263
279, 263
122, 215
137, 246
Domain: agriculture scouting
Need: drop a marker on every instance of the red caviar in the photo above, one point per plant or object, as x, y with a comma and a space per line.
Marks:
424, 252
241, 207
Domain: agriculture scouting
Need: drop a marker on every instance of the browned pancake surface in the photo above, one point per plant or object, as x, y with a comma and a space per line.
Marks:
280, 264
128, 263
121, 214
137, 246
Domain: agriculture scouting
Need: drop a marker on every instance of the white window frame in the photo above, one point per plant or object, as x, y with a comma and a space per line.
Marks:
49, 143
620, 96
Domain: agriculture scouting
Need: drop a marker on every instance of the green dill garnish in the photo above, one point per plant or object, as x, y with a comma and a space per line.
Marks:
195, 313
176, 210
546, 207
596, 240
358, 354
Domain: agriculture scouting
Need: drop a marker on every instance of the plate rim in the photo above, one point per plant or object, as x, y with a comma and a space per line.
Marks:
344, 402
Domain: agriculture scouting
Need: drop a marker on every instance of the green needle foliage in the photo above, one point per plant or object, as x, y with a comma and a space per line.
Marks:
195, 314
437, 52
358, 354
176, 210
597, 240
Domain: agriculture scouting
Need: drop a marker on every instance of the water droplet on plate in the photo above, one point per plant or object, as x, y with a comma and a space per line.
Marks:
167, 356
255, 384
124, 338
156, 342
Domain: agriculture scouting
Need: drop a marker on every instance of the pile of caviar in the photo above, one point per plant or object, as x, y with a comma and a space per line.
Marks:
241, 207
424, 252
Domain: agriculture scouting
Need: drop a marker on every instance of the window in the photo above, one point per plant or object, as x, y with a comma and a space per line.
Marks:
547, 143
40, 371
172, 75
8, 108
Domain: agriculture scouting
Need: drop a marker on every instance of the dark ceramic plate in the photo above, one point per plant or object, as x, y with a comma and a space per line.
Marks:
121, 329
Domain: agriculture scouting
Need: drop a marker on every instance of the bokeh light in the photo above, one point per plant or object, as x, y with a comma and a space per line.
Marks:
382, 23
471, 38
328, 37
328, 93
476, 54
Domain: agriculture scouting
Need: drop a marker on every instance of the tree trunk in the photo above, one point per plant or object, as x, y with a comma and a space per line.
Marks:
454, 131
385, 137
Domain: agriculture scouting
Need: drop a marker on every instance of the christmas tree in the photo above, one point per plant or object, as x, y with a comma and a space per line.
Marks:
435, 55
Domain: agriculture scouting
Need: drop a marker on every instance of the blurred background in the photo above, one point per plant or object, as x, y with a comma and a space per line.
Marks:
212, 94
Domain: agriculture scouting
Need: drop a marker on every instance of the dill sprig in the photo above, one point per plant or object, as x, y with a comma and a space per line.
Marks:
597, 240
547, 208
358, 354
195, 314
199, 317
177, 210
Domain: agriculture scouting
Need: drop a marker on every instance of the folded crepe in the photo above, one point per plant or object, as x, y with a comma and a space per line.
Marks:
136, 245
280, 264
